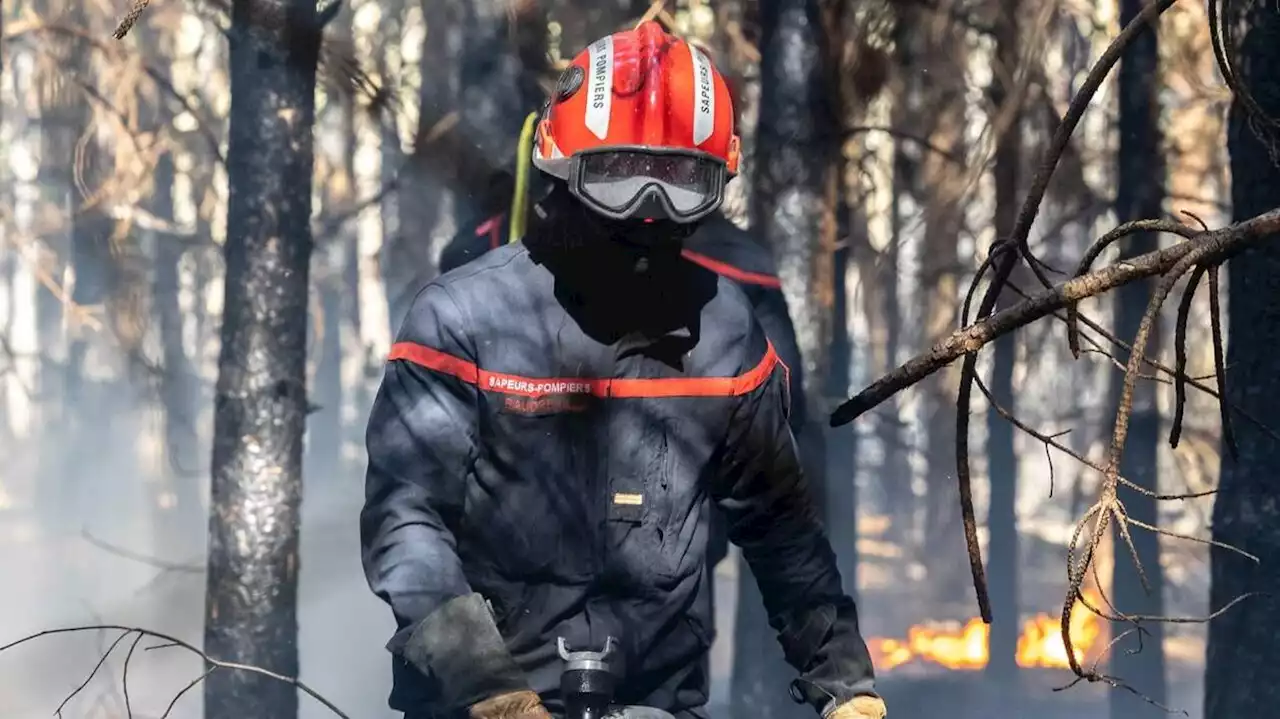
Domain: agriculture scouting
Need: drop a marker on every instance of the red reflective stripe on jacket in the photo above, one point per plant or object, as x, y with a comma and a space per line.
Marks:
733, 273
435, 360
468, 372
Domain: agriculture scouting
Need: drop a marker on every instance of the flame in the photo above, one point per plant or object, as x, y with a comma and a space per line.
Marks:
1039, 644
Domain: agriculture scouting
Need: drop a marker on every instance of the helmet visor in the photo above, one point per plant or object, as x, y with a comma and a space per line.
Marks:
625, 183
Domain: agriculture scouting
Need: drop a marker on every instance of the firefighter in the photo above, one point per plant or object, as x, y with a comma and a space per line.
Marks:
718, 245
558, 416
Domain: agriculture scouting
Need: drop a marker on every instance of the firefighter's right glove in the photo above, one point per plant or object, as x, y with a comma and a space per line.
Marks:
859, 707
516, 705
460, 647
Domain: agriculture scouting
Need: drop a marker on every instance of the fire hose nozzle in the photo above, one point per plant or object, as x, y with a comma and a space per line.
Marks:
586, 659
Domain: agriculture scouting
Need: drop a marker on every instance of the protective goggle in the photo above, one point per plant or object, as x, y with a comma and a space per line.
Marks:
645, 183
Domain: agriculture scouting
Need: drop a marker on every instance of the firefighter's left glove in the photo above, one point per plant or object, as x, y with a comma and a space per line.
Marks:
859, 707
458, 645
516, 705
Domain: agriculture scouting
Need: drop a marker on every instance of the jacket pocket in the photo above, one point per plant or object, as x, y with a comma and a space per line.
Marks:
674, 514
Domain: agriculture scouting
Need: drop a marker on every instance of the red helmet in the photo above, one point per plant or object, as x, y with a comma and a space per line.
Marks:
641, 127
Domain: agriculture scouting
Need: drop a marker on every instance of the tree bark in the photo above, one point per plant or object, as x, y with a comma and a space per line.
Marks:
1002, 459
1242, 673
260, 403
845, 61
796, 143
1139, 195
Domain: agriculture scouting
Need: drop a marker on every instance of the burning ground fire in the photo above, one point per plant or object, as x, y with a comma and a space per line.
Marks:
1039, 644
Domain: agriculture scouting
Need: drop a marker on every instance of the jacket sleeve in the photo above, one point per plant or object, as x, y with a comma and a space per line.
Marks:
772, 518
421, 444
771, 310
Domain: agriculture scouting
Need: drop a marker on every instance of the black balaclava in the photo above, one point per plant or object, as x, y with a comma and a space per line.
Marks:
619, 277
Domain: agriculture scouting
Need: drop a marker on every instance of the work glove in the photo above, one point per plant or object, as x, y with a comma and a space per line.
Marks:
859, 707
459, 646
513, 705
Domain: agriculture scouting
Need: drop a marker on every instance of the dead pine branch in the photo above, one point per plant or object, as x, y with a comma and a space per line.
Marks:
1221, 243
1180, 328
1199, 252
166, 642
1004, 263
1109, 509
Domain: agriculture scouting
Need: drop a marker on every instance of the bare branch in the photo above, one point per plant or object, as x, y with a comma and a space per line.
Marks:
161, 564
1003, 269
1224, 243
169, 642
93, 673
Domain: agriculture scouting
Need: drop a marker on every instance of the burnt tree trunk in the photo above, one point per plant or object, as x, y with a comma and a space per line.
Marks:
848, 65
796, 143
260, 404
1139, 195
324, 422
1002, 459
1243, 664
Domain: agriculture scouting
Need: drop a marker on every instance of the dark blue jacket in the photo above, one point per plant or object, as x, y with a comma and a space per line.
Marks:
725, 249
551, 433
718, 245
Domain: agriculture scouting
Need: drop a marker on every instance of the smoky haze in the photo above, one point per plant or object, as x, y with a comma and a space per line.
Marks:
107, 559
887, 149
95, 563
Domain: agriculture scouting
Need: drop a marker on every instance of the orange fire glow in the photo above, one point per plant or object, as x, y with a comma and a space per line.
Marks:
1039, 644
